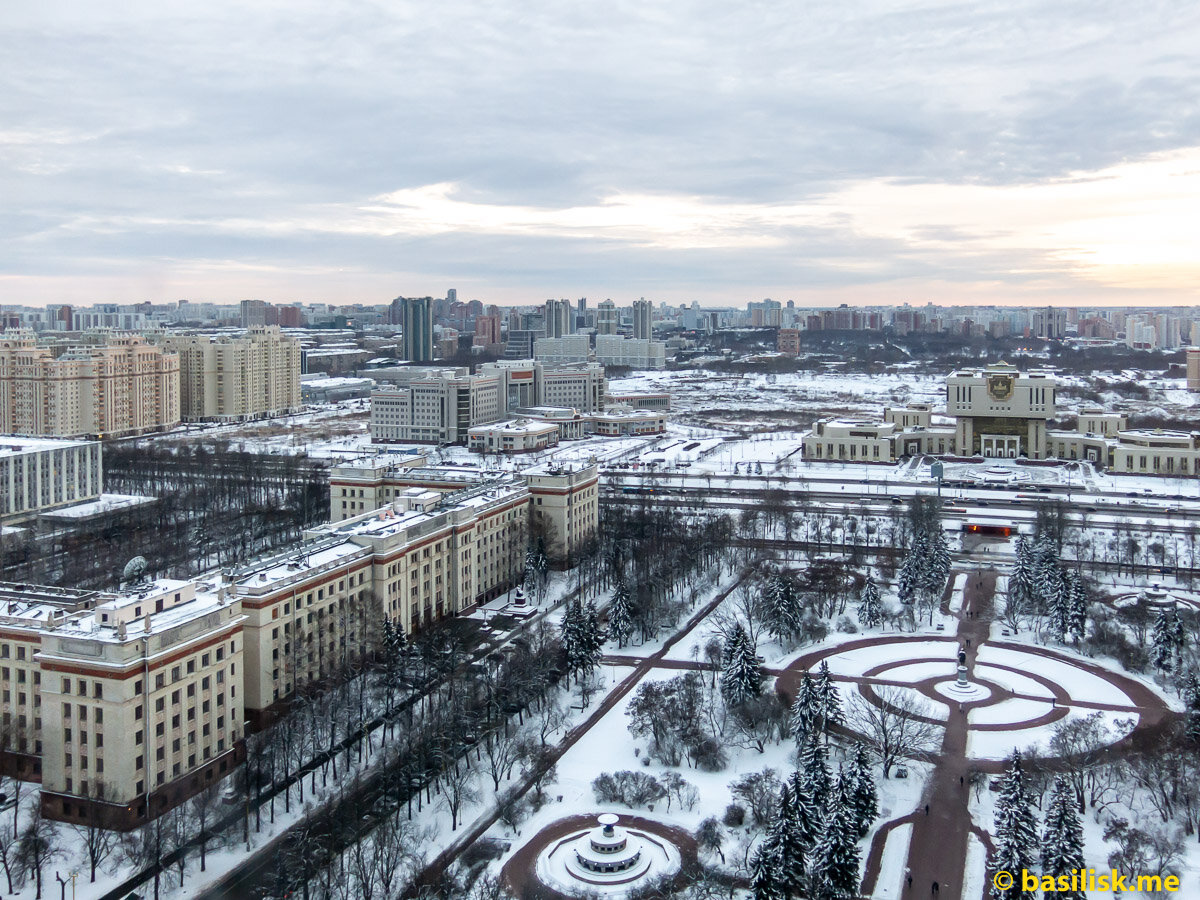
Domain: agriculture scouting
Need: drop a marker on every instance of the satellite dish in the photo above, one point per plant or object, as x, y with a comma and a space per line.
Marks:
135, 569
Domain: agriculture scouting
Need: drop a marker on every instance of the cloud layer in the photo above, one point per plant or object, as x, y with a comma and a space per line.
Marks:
875, 151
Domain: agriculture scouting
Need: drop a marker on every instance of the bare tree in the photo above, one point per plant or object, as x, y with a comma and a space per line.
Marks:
898, 725
501, 752
95, 832
37, 845
458, 789
201, 809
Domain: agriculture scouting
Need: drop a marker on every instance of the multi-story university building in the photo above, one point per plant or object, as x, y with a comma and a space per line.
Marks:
106, 386
124, 704
440, 406
38, 474
563, 501
1001, 413
121, 704
232, 379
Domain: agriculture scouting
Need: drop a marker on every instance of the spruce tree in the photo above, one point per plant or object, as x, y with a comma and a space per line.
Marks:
764, 869
809, 813
835, 859
829, 703
591, 638
1077, 606
620, 615
805, 711
1062, 839
1021, 591
870, 609
910, 579
741, 677
1015, 831
864, 797
786, 840
1059, 607
1162, 651
573, 638
814, 765
1191, 709
781, 608
1047, 578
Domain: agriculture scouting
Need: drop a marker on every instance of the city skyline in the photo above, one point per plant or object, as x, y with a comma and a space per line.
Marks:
336, 153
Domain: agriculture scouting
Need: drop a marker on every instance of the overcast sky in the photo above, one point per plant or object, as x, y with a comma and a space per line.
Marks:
875, 152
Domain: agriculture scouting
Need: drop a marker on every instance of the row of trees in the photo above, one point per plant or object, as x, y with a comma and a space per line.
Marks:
214, 507
810, 848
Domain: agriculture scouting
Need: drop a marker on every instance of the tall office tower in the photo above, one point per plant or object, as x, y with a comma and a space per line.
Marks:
254, 312
642, 318
581, 314
416, 340
606, 317
558, 318
452, 295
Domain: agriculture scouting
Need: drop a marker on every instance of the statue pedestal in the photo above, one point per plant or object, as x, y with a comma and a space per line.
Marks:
962, 689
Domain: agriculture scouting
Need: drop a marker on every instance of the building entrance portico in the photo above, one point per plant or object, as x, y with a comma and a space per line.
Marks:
1000, 446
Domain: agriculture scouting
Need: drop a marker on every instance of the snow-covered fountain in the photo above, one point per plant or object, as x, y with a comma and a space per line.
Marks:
609, 859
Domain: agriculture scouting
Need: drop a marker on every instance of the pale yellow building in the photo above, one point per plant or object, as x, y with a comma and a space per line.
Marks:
117, 386
122, 704
233, 379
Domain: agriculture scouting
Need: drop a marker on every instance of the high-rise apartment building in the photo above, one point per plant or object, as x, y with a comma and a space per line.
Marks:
416, 329
606, 317
643, 316
232, 379
107, 386
1193, 369
559, 318
487, 331
254, 313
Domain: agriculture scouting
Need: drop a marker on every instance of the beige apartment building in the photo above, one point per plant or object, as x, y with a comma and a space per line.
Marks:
233, 379
122, 704
117, 386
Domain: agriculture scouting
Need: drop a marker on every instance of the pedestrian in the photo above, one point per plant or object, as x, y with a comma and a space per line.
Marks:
935, 889
960, 781
910, 880
926, 809
968, 643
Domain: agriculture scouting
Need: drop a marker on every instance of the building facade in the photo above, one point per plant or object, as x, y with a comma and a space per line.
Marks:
228, 379
356, 488
38, 474
106, 386
999, 413
416, 328
643, 320
438, 408
614, 350
122, 704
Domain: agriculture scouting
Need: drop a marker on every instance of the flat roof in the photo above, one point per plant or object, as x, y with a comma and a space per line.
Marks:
11, 445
